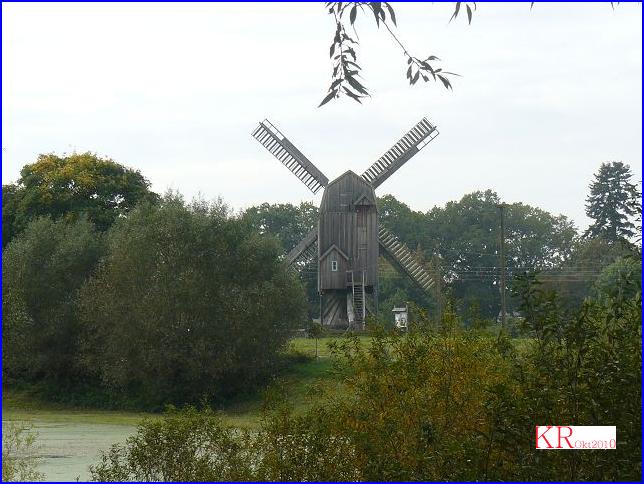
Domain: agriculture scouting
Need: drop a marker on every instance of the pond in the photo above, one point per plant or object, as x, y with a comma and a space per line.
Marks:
67, 448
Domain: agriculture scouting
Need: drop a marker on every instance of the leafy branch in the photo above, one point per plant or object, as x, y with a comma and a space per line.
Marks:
346, 70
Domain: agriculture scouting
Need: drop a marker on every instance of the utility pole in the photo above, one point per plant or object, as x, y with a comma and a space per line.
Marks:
438, 288
501, 208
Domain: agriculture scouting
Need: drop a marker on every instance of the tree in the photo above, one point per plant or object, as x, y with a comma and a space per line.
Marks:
70, 186
465, 235
316, 330
42, 271
188, 303
288, 222
613, 203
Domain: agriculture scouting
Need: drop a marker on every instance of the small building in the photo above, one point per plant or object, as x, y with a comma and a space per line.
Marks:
401, 317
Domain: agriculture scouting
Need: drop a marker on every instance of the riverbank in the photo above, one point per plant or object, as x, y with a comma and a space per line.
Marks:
70, 438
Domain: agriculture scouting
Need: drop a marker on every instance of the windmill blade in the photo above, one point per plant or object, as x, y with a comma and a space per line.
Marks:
305, 249
411, 143
401, 257
280, 147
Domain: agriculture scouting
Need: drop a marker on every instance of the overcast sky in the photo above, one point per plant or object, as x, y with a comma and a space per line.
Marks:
174, 90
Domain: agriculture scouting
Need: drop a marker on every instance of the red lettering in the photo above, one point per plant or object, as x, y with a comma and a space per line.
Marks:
564, 437
543, 436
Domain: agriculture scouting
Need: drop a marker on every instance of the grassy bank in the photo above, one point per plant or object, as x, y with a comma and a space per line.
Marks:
297, 382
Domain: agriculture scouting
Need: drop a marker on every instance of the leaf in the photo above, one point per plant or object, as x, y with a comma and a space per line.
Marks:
445, 82
469, 14
376, 8
409, 60
455, 14
328, 97
332, 49
433, 57
352, 95
352, 15
428, 68
356, 85
391, 12
409, 73
413, 81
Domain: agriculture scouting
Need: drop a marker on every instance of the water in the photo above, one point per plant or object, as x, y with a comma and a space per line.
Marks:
67, 449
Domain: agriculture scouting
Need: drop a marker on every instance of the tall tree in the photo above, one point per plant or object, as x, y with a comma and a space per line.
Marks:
66, 187
465, 234
42, 271
614, 203
187, 303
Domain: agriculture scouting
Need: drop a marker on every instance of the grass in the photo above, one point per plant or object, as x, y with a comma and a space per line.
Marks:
297, 381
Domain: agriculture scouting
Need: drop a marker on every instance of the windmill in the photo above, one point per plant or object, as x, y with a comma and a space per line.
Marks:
347, 241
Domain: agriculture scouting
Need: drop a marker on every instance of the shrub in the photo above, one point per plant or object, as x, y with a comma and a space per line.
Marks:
188, 303
187, 445
19, 458
42, 271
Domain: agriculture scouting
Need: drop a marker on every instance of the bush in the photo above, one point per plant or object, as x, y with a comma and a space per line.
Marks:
42, 271
19, 447
443, 404
185, 445
188, 303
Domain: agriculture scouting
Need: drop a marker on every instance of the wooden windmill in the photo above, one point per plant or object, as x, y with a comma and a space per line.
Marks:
347, 240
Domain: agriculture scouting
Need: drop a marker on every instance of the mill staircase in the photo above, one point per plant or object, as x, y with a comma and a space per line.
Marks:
357, 280
410, 144
400, 255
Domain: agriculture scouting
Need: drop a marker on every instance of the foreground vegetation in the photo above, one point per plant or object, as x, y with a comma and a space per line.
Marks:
439, 403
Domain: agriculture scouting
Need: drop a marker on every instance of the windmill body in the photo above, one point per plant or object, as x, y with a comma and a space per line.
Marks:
347, 249
347, 242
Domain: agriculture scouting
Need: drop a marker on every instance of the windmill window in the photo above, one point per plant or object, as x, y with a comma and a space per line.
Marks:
334, 265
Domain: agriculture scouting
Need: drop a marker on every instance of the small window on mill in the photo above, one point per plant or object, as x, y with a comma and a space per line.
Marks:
334, 265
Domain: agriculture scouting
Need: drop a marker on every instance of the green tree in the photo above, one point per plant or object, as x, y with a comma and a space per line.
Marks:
575, 278
466, 236
290, 224
66, 187
188, 303
42, 271
614, 203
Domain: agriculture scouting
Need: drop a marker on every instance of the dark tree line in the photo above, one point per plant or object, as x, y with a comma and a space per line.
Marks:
171, 302
97, 267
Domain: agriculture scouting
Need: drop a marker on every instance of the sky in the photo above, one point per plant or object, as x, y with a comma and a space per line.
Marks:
174, 90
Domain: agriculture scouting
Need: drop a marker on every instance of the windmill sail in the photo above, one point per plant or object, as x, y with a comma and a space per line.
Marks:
278, 145
411, 143
400, 255
305, 249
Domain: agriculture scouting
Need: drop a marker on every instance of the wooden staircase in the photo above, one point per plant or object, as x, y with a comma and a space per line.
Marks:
356, 282
400, 255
